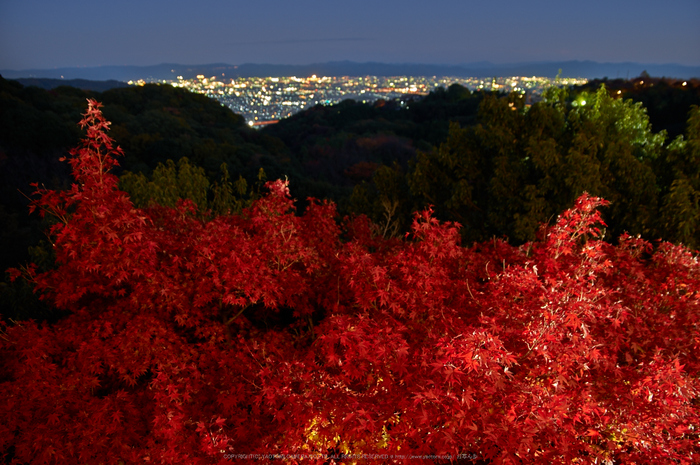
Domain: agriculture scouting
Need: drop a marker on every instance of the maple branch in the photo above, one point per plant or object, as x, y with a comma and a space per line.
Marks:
249, 382
231, 320
311, 327
51, 211
470, 291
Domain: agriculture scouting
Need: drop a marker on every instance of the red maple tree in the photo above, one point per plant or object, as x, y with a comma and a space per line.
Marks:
274, 336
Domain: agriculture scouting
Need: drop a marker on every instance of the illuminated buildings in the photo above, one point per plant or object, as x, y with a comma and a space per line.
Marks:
267, 99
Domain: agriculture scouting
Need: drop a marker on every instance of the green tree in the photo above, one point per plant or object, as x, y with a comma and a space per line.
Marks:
168, 184
450, 178
679, 218
232, 197
171, 182
386, 201
518, 167
611, 154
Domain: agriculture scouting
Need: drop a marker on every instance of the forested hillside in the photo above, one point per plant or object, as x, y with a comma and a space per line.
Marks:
517, 167
265, 333
497, 164
152, 124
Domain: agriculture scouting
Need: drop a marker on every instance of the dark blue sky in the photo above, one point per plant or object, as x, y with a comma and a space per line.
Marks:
46, 34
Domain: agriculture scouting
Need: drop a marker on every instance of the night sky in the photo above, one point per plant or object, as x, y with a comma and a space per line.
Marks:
50, 33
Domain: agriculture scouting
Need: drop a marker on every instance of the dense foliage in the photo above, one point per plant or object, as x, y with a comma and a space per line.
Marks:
666, 100
195, 339
152, 123
518, 167
327, 150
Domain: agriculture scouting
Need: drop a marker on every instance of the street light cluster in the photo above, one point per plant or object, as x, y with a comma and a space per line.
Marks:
263, 100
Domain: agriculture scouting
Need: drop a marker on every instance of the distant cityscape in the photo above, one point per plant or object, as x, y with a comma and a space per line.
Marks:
266, 100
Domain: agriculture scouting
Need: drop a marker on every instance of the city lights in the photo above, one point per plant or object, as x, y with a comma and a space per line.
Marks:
263, 100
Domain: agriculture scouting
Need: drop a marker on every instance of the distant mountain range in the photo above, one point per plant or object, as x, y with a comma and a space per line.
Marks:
51, 83
169, 71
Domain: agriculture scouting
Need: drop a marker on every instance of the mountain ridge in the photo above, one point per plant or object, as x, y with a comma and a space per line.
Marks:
170, 71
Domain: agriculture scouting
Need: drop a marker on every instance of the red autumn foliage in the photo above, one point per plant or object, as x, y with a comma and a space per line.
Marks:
203, 341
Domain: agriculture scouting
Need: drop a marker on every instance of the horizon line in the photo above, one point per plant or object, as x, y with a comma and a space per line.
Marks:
482, 63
